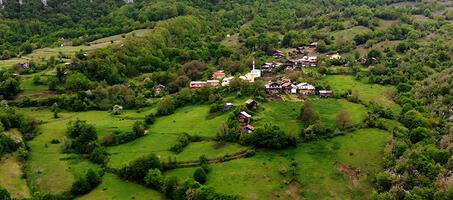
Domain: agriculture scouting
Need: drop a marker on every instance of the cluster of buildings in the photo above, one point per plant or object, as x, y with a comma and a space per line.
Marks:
245, 118
286, 86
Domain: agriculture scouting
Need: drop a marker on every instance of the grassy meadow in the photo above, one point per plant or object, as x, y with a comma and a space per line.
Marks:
318, 177
367, 92
39, 55
11, 176
190, 119
113, 187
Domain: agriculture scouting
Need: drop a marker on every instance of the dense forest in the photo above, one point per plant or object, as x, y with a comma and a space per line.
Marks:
405, 45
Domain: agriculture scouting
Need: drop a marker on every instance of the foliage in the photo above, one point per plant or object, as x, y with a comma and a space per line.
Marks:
84, 136
270, 136
138, 169
154, 179
199, 175
343, 119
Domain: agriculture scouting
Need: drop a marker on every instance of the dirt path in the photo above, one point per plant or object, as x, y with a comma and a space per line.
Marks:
44, 94
295, 98
350, 171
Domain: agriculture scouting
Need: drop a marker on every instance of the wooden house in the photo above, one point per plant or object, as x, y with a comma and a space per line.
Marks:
244, 117
160, 88
227, 106
197, 84
305, 89
251, 104
273, 88
218, 75
325, 93
247, 129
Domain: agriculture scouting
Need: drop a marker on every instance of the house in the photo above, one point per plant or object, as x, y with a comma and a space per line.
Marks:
160, 88
305, 89
249, 77
361, 61
289, 88
197, 84
24, 65
308, 61
251, 104
267, 67
325, 93
218, 75
213, 83
247, 129
70, 65
273, 88
226, 81
335, 56
313, 45
244, 118
227, 106
312, 60
278, 54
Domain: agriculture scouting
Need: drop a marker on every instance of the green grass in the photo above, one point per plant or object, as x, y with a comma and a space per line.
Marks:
321, 180
189, 119
160, 144
348, 34
318, 176
367, 92
285, 114
29, 87
45, 53
329, 108
11, 177
113, 187
48, 169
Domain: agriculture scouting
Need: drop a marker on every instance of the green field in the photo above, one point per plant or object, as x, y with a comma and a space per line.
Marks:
348, 34
11, 176
189, 119
113, 187
318, 177
285, 114
48, 169
367, 92
45, 53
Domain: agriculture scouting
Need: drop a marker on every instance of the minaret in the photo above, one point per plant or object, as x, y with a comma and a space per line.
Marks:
253, 63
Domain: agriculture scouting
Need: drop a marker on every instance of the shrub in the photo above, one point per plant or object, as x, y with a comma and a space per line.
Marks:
250, 153
138, 169
200, 175
154, 179
150, 118
55, 141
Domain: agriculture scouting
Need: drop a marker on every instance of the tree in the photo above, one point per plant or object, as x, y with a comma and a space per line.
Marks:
200, 175
154, 179
93, 178
194, 69
383, 181
165, 106
343, 119
83, 135
4, 194
150, 118
77, 82
139, 128
355, 95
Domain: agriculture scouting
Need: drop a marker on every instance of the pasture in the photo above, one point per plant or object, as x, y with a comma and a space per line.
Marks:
190, 119
39, 55
11, 176
317, 176
113, 187
367, 92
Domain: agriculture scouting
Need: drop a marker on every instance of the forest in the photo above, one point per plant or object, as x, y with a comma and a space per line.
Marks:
160, 99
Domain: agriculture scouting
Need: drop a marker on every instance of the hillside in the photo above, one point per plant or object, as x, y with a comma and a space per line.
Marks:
207, 100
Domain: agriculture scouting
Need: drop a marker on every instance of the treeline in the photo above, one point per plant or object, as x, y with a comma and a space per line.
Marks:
148, 170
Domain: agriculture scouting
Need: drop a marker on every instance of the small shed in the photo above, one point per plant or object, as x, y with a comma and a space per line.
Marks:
244, 117
325, 93
251, 104
227, 106
247, 129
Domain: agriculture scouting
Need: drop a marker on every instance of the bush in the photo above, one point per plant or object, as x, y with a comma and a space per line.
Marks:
4, 194
99, 156
55, 141
199, 175
150, 118
183, 141
250, 153
154, 179
138, 169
